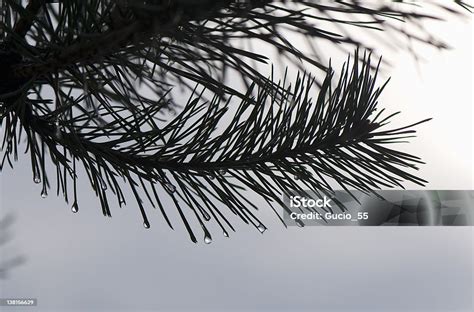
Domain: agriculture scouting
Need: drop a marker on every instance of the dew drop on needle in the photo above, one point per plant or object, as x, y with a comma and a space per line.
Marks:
170, 187
261, 228
37, 179
222, 171
207, 239
44, 193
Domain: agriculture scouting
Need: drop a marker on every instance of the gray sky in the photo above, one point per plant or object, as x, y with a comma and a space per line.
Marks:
85, 262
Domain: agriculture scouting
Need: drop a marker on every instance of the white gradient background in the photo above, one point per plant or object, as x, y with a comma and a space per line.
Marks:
85, 262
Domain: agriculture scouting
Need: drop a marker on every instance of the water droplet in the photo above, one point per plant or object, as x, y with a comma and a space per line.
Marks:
146, 224
222, 171
103, 184
206, 216
225, 233
207, 239
211, 177
44, 193
261, 228
296, 177
74, 208
37, 179
170, 187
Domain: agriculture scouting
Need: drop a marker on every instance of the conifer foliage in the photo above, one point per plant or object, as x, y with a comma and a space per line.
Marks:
88, 90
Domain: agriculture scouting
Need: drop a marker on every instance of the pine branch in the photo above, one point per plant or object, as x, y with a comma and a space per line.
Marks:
8, 261
199, 158
88, 85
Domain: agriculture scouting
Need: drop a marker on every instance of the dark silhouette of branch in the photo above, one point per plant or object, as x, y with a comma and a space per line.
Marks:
88, 85
7, 261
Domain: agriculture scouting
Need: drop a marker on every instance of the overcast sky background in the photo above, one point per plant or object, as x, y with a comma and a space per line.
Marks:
85, 262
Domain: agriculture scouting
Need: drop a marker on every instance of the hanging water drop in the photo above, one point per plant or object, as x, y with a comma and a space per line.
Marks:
206, 216
261, 228
146, 224
207, 239
296, 177
170, 187
103, 184
74, 208
225, 233
44, 193
222, 171
37, 179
